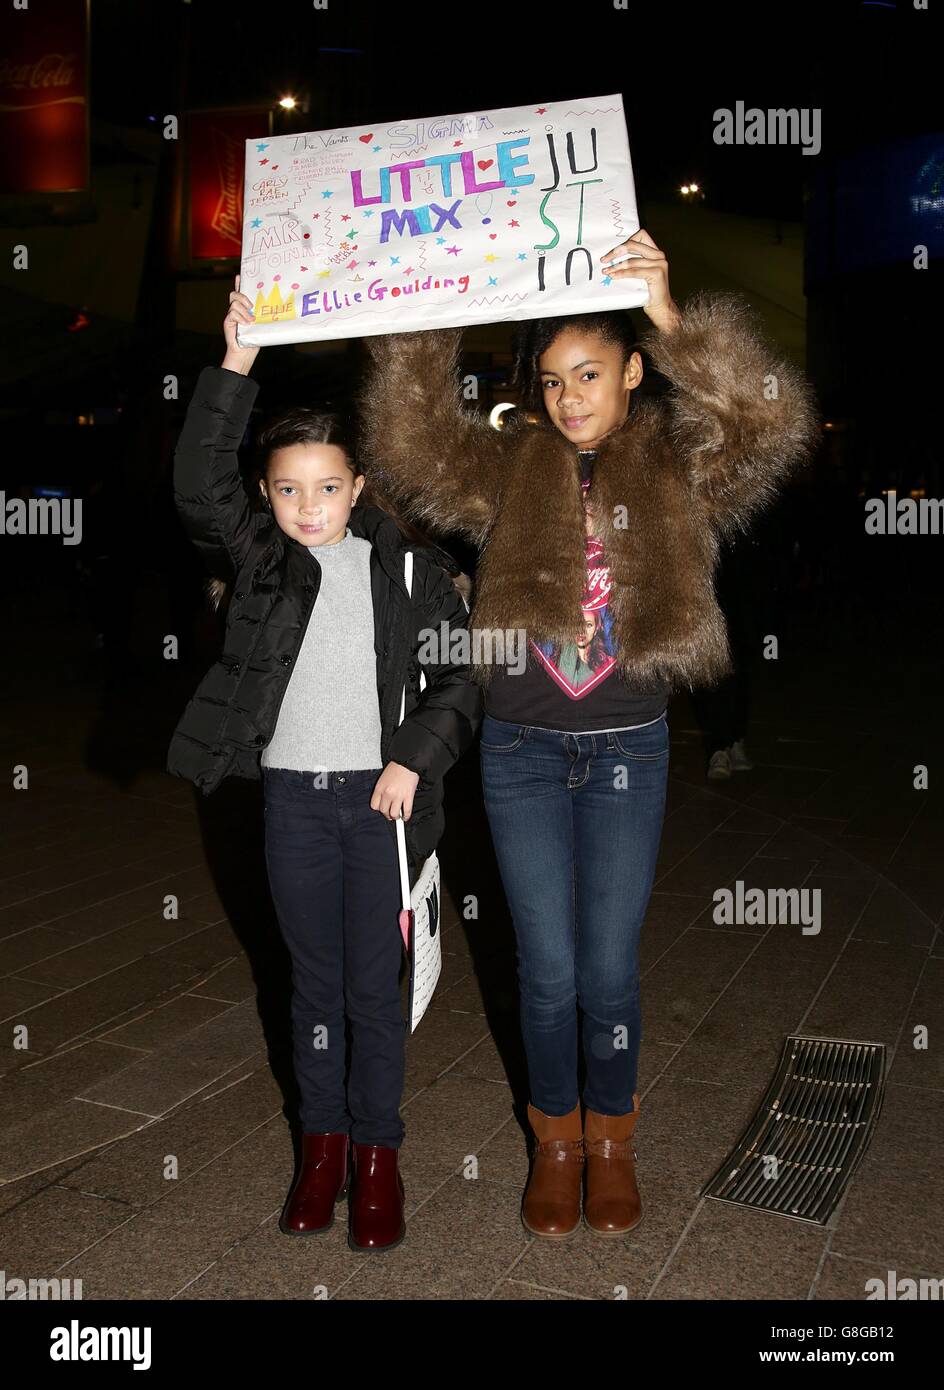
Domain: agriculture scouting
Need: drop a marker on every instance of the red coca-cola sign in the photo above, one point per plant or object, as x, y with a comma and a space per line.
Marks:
44, 97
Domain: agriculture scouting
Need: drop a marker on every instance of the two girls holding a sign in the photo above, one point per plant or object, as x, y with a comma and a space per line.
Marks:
600, 527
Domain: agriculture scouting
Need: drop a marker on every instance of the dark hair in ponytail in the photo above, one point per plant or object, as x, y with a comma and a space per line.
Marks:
535, 336
302, 424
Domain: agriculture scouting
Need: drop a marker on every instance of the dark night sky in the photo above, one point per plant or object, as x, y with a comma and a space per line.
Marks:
872, 68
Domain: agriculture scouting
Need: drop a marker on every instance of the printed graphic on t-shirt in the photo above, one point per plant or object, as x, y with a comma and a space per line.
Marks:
579, 666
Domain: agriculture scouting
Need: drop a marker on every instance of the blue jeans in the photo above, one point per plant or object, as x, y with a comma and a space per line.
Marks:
576, 821
332, 865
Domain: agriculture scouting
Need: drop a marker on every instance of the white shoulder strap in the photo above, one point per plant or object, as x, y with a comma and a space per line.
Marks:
408, 578
401, 830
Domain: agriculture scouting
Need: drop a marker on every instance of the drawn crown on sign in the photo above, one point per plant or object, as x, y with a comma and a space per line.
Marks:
272, 307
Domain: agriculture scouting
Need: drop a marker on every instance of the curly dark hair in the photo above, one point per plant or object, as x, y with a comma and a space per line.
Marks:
535, 336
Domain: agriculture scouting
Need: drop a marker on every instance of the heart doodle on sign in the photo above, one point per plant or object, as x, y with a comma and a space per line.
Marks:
512, 202
485, 163
492, 236
366, 139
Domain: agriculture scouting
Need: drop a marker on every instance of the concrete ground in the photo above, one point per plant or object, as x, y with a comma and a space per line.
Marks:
144, 1145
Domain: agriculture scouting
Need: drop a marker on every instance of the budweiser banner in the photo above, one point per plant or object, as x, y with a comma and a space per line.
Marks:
217, 150
417, 224
43, 106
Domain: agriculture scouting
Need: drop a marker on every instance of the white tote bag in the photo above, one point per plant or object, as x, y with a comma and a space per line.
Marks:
419, 916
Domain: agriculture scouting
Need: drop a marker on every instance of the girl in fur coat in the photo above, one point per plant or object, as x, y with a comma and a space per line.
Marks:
599, 532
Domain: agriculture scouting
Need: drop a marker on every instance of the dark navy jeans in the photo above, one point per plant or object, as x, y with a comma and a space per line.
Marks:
576, 821
332, 865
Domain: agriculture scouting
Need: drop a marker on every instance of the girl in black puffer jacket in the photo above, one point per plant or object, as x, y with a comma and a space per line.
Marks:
321, 639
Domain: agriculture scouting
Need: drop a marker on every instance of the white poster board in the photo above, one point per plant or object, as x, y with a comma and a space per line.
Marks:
493, 215
426, 945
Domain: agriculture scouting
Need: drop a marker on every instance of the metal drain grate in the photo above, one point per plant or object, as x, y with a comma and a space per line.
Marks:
809, 1132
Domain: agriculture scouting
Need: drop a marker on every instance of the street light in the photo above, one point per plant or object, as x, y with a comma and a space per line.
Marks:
495, 415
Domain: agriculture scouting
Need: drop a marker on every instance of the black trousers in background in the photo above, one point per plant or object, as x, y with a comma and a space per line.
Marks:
332, 866
723, 710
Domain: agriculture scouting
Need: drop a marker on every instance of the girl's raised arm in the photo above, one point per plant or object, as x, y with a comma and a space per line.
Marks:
743, 417
444, 461
208, 488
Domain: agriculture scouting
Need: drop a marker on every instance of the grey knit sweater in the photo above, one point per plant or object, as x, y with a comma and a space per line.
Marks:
329, 720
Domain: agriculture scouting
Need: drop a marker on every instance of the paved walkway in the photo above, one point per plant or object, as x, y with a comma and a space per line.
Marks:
144, 1142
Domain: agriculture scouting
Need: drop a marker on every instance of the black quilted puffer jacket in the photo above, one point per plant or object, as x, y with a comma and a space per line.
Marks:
233, 714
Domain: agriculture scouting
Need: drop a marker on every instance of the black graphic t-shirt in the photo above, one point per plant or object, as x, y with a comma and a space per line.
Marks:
577, 687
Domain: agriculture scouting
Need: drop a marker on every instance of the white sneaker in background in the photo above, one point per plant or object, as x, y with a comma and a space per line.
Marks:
740, 762
720, 764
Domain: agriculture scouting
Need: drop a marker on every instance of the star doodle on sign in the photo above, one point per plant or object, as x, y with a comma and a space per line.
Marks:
522, 255
263, 161
453, 250
541, 110
327, 193
375, 148
256, 222
323, 273
608, 279
263, 146
371, 262
492, 280
440, 241
490, 257
369, 213
407, 270
394, 260
513, 223
345, 217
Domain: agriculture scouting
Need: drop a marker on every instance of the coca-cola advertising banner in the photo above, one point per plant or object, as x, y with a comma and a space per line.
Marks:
217, 150
44, 97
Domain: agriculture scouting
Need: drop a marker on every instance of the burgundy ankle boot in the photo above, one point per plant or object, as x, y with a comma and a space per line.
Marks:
377, 1197
322, 1180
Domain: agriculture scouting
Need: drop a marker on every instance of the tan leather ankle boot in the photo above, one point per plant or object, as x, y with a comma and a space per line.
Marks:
551, 1205
612, 1205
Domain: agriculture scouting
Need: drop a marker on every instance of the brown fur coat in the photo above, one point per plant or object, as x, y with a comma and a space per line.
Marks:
680, 473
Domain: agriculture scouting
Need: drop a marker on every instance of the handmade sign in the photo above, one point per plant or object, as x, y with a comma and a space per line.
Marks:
421, 224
